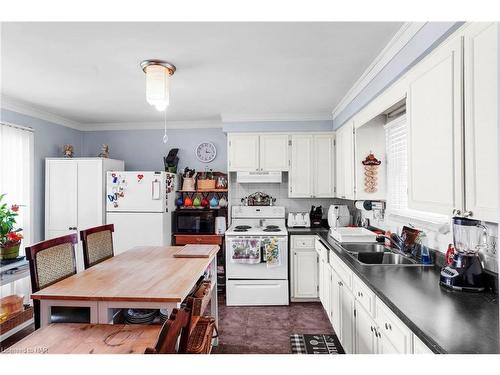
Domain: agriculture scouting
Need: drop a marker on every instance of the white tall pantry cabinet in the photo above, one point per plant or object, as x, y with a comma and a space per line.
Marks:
75, 193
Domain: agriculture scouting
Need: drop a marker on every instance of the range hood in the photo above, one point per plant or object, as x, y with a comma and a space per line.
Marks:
253, 177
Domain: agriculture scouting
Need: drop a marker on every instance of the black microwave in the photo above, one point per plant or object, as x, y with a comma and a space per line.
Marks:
194, 221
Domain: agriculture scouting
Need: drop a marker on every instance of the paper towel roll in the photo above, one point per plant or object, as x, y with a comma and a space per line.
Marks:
363, 205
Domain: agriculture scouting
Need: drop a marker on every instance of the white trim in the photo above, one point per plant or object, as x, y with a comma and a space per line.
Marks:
395, 45
30, 110
196, 124
20, 127
320, 116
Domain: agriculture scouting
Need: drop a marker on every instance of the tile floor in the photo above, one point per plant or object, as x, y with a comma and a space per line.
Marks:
267, 329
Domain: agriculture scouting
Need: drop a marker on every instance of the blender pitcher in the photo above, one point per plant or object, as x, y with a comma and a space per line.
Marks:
469, 236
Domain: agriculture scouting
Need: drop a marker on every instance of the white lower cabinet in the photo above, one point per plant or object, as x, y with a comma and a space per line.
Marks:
366, 333
304, 275
362, 322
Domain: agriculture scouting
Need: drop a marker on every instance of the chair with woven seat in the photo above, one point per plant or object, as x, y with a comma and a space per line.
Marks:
175, 326
52, 261
97, 244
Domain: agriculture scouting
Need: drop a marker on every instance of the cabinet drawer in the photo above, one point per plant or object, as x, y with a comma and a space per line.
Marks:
364, 295
342, 270
393, 328
185, 239
303, 242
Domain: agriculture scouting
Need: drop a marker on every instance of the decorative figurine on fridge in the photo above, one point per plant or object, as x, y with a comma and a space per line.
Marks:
371, 164
68, 151
104, 151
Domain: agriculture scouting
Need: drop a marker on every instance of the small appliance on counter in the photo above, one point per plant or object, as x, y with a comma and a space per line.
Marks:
465, 273
338, 216
316, 215
299, 220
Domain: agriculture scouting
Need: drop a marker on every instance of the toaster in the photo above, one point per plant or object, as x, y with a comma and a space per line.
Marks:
299, 220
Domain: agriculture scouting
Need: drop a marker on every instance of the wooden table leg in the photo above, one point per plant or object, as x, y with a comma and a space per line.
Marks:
214, 308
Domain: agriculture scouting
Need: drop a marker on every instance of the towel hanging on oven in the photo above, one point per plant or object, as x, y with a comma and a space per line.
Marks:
246, 251
272, 251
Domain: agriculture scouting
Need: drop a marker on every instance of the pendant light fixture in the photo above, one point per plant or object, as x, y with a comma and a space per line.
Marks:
158, 73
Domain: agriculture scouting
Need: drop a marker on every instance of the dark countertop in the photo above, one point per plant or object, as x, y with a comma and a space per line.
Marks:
446, 321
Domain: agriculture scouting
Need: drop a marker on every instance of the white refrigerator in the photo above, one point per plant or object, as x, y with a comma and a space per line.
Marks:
140, 205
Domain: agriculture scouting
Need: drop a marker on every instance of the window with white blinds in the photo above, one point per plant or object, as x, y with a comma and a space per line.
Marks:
16, 169
397, 164
396, 140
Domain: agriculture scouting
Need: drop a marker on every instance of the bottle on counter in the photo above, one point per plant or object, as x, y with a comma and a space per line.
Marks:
450, 253
425, 256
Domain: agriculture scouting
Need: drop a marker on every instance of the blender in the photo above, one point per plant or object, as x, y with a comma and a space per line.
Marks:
466, 271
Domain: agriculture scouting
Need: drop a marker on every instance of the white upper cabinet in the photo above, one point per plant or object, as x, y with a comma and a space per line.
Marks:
243, 152
324, 171
300, 184
481, 120
434, 107
251, 152
274, 152
345, 161
312, 172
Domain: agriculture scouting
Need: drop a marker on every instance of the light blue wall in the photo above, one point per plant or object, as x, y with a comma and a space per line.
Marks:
420, 45
144, 149
278, 126
48, 140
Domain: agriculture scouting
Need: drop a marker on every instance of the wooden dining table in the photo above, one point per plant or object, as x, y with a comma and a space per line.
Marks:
145, 277
78, 338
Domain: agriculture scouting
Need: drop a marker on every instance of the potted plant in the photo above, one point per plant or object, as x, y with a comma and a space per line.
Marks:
10, 238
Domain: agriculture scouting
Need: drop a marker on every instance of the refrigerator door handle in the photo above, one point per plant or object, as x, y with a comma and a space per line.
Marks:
155, 190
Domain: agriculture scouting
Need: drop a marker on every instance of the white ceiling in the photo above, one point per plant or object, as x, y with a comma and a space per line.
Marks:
89, 72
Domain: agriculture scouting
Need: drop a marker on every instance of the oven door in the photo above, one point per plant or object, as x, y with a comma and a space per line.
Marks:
242, 261
195, 222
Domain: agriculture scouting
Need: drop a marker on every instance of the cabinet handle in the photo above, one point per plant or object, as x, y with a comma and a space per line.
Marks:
467, 214
371, 327
390, 328
72, 228
386, 327
457, 212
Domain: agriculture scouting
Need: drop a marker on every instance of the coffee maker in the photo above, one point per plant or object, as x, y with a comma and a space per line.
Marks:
465, 273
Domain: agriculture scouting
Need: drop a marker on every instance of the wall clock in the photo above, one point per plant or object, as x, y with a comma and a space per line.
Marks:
206, 152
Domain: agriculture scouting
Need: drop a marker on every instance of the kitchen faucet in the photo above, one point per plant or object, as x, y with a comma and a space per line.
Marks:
398, 246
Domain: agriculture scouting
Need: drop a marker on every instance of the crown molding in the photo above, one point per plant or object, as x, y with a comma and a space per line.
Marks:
395, 45
325, 116
33, 111
195, 124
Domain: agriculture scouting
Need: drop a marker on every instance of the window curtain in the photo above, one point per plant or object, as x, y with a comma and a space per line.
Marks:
16, 171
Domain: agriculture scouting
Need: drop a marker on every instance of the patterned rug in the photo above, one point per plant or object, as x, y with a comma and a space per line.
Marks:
315, 344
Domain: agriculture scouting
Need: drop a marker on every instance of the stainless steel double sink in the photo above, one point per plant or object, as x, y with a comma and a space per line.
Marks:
377, 254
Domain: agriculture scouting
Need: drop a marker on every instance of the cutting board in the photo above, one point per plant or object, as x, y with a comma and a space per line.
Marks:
196, 251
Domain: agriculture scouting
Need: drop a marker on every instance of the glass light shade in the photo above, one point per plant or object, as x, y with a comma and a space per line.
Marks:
157, 86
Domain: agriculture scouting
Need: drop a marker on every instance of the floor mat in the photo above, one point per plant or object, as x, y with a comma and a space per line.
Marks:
315, 344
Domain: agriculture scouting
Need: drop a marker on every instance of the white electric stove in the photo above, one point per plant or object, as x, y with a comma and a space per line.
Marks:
257, 256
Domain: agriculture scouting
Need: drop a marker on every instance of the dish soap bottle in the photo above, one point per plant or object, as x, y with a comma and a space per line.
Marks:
425, 256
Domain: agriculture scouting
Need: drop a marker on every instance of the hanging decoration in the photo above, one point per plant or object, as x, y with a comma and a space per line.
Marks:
371, 164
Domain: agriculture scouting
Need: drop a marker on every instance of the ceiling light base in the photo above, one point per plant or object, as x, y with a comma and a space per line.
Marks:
170, 67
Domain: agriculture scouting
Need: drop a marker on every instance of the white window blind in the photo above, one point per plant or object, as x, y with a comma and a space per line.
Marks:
397, 164
396, 136
16, 166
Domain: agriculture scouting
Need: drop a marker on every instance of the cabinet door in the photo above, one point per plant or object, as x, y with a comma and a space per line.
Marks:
481, 120
274, 152
324, 158
335, 303
366, 341
60, 197
90, 194
345, 161
347, 319
301, 168
435, 132
386, 347
305, 274
321, 277
327, 282
243, 152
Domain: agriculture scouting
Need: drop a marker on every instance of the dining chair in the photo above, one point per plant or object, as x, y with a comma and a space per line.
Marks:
97, 244
170, 331
52, 261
